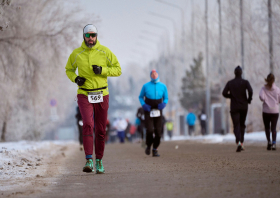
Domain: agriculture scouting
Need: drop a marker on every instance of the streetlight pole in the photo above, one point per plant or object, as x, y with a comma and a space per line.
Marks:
192, 29
183, 24
165, 17
173, 83
166, 56
150, 33
170, 19
242, 37
150, 41
207, 70
165, 29
221, 65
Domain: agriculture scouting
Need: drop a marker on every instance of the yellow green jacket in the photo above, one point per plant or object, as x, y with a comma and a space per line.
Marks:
84, 57
169, 126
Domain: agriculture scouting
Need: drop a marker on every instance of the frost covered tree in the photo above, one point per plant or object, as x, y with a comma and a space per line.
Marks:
33, 55
4, 23
193, 85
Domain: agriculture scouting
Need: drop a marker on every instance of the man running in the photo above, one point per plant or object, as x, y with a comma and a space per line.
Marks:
202, 120
153, 98
95, 63
141, 116
169, 126
235, 90
190, 119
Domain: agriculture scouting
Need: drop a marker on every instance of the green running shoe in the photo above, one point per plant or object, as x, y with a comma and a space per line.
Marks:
99, 166
88, 168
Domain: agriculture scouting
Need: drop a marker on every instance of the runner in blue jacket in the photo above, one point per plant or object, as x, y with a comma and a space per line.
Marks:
190, 119
153, 98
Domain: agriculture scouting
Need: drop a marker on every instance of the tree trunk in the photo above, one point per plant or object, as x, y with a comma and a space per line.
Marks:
270, 36
3, 135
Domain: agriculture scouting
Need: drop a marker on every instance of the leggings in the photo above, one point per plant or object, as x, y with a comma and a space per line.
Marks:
153, 126
238, 119
121, 135
270, 123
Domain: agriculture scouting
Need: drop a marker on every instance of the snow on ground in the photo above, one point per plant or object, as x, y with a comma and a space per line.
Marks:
12, 150
26, 159
254, 137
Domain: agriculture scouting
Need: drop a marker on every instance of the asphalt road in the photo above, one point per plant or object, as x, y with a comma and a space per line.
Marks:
192, 170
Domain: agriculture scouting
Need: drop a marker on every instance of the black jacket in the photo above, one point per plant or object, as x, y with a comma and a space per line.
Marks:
141, 114
236, 91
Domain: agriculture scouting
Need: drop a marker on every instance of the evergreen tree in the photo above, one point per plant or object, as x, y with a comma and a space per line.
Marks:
193, 88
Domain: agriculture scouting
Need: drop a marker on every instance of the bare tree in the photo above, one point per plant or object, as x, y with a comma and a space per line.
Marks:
4, 24
33, 56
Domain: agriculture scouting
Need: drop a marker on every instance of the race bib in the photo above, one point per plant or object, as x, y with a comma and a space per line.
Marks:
154, 113
203, 117
95, 97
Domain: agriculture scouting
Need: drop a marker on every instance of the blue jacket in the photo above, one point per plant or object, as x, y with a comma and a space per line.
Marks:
190, 119
153, 91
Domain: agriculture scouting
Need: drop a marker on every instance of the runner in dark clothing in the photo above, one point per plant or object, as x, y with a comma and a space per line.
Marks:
163, 122
141, 115
235, 90
80, 127
202, 120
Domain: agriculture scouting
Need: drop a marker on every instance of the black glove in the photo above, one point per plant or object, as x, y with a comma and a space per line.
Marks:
249, 100
97, 69
80, 80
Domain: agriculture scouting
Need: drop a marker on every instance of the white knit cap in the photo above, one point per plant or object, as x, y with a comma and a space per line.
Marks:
90, 28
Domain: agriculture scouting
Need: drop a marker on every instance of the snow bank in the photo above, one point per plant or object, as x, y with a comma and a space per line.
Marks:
228, 138
10, 150
25, 159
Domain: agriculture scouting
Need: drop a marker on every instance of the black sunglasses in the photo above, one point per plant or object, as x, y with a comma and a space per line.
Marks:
90, 35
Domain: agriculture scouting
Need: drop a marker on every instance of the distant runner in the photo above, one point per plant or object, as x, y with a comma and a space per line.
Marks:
80, 127
202, 120
190, 119
95, 63
270, 96
141, 119
169, 126
153, 98
236, 90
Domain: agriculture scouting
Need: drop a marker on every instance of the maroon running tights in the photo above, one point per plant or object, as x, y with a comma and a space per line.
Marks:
100, 118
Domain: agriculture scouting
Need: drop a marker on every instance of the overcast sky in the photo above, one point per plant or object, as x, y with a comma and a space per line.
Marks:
124, 29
